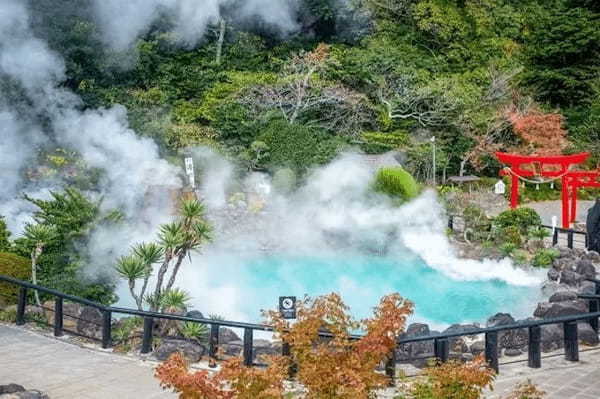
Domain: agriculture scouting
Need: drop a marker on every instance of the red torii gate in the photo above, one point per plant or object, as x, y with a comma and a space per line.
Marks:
554, 167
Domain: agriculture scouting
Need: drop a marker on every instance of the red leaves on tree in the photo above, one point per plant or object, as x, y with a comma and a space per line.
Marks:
542, 133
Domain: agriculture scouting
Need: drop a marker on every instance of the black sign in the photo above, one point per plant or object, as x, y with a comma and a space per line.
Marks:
287, 307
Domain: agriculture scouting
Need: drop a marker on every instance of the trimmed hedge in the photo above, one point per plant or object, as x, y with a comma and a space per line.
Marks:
13, 266
396, 182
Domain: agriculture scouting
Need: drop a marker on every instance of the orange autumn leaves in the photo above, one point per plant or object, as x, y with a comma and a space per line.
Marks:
332, 367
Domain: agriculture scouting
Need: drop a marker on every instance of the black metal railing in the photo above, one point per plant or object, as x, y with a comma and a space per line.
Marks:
441, 342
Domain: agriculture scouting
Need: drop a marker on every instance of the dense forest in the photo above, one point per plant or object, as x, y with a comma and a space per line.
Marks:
374, 74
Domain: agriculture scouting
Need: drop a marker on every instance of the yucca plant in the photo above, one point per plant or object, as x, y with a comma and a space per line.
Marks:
139, 265
174, 300
197, 331
176, 241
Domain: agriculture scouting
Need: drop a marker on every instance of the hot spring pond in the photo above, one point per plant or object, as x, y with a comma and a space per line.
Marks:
237, 288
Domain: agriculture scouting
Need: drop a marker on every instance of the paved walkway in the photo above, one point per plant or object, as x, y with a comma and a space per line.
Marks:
64, 370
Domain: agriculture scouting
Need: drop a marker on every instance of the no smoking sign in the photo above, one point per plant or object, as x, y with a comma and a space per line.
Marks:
287, 307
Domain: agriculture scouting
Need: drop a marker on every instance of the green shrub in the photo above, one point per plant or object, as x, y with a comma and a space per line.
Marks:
4, 236
510, 235
297, 147
507, 248
521, 218
520, 256
197, 331
13, 266
544, 257
397, 183
377, 143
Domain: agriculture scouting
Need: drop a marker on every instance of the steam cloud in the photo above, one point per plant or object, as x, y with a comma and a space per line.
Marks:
45, 114
123, 22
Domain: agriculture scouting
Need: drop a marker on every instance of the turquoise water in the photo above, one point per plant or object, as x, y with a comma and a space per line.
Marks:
362, 280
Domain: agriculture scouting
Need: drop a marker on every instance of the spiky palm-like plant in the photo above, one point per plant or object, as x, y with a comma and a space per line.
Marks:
139, 265
176, 240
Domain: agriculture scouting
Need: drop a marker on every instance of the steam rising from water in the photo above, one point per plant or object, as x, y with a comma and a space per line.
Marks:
333, 213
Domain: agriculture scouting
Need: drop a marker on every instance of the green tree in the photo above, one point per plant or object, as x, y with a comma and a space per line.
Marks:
4, 236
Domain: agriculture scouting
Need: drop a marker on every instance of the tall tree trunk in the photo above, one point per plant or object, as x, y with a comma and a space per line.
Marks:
159, 281
220, 40
35, 254
180, 258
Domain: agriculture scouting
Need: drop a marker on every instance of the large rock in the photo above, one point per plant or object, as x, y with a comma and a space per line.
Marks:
71, 312
11, 388
552, 337
586, 268
192, 351
548, 310
477, 347
194, 314
593, 227
408, 352
459, 344
586, 334
553, 274
570, 278
510, 339
593, 256
90, 323
562, 296
232, 348
263, 347
587, 287
227, 335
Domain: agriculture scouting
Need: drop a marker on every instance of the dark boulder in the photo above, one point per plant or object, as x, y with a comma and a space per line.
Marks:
586, 334
586, 268
458, 344
548, 310
593, 256
552, 337
194, 314
570, 278
513, 339
192, 351
11, 388
477, 347
227, 335
90, 323
593, 227
562, 296
587, 287
408, 352
512, 352
553, 274
232, 348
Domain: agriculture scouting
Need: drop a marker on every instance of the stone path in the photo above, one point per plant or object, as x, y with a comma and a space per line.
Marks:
559, 378
64, 370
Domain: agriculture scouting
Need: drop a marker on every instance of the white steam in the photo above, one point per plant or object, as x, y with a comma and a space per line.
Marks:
123, 22
43, 113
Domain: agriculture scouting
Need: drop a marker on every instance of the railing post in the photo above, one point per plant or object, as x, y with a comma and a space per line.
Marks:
286, 351
106, 329
555, 237
58, 317
21, 305
451, 223
534, 359
441, 349
390, 367
587, 242
571, 342
570, 239
248, 342
593, 309
213, 344
147, 338
491, 349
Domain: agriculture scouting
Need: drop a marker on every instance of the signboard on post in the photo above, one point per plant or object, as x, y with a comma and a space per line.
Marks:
500, 187
287, 307
189, 171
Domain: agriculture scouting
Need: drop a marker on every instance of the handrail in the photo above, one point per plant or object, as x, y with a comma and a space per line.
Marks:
441, 345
